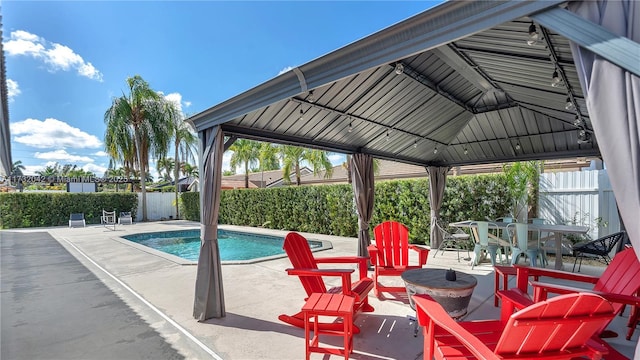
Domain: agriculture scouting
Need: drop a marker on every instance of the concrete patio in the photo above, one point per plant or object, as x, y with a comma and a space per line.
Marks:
160, 288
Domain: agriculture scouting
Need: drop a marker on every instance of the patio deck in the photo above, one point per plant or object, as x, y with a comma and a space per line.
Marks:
160, 289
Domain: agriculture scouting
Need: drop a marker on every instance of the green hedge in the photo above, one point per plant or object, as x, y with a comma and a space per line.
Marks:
19, 210
330, 209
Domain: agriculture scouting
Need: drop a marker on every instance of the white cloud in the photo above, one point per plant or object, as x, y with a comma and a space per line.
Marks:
337, 159
63, 156
13, 89
226, 160
100, 153
52, 133
176, 98
288, 68
98, 170
55, 56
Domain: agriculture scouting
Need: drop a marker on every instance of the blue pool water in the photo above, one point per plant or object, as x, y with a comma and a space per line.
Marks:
233, 245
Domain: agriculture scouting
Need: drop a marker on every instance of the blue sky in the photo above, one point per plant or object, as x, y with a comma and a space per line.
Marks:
67, 60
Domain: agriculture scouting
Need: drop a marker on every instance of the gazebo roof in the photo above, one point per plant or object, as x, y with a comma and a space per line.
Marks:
457, 84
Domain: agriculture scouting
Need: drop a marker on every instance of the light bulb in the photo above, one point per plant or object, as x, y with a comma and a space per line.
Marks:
399, 68
583, 136
311, 98
301, 118
556, 81
578, 122
435, 150
533, 35
350, 126
415, 144
466, 151
569, 105
517, 146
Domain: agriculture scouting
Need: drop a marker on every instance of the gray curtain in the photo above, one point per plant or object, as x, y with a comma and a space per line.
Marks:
437, 183
613, 101
209, 295
362, 179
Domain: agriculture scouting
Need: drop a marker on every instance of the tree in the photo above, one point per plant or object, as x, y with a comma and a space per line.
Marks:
245, 152
189, 170
293, 156
183, 141
138, 124
522, 184
267, 158
165, 165
16, 168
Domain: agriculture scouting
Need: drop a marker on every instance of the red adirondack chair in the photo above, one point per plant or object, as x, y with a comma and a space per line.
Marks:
559, 328
390, 254
619, 283
305, 266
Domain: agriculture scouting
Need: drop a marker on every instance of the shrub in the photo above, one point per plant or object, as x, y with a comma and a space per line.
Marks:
330, 209
19, 210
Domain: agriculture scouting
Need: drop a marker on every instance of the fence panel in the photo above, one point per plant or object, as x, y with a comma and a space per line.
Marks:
579, 198
160, 206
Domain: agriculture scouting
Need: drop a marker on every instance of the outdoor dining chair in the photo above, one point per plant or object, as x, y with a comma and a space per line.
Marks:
125, 218
108, 219
458, 240
599, 248
484, 243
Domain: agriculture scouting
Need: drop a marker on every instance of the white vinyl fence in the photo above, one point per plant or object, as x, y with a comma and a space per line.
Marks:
160, 206
579, 198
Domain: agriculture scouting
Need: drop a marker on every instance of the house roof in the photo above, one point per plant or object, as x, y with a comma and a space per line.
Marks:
471, 90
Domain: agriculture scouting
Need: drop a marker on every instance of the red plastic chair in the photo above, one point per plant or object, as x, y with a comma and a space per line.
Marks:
619, 283
559, 328
390, 254
305, 266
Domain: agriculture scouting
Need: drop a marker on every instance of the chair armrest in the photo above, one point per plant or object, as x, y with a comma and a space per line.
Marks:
542, 289
431, 314
423, 252
360, 260
345, 274
373, 254
512, 300
523, 273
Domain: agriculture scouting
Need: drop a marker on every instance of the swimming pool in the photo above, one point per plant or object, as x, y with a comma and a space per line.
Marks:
233, 245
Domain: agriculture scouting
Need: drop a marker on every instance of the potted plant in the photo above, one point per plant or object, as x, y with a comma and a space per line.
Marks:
522, 184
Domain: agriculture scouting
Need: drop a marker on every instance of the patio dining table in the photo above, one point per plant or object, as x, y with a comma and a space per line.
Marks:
558, 230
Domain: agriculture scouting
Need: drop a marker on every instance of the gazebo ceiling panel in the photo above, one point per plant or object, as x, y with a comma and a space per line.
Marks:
488, 93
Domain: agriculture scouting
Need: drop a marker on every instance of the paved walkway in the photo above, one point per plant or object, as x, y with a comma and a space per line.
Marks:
53, 307
159, 288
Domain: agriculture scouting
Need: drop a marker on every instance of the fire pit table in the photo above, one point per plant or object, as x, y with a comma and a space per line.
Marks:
454, 296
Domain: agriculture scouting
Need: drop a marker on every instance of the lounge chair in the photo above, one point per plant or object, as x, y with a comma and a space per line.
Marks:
559, 328
77, 219
390, 254
125, 218
305, 266
108, 219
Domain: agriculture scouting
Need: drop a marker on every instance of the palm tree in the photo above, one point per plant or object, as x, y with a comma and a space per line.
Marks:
137, 125
189, 170
167, 165
50, 170
292, 156
184, 142
245, 152
16, 168
267, 158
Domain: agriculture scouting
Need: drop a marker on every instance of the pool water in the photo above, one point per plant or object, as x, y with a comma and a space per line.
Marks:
233, 245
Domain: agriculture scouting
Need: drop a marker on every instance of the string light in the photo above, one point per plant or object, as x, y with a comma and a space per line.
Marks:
415, 144
569, 105
517, 146
301, 118
533, 35
556, 81
399, 68
466, 151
